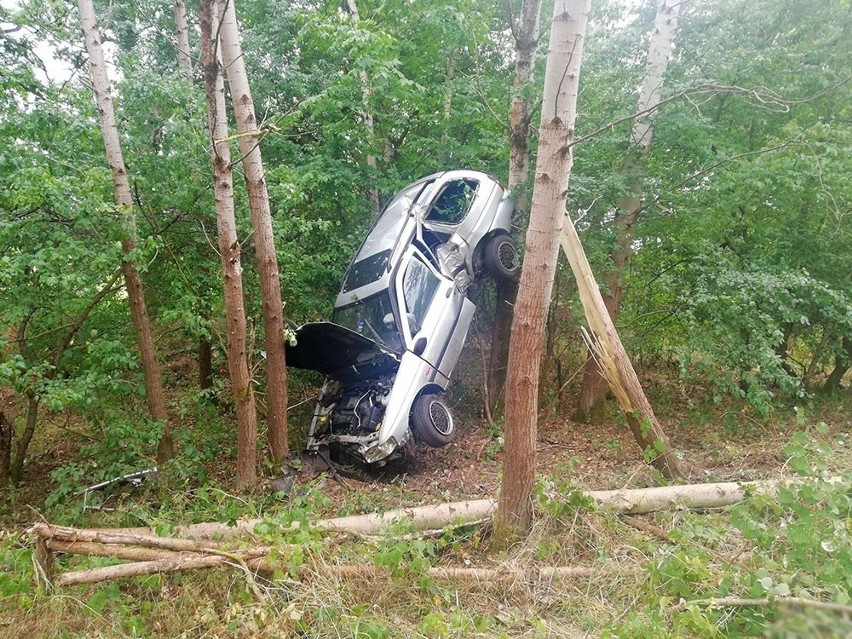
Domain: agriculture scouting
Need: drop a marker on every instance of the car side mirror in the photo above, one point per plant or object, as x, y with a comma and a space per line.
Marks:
420, 346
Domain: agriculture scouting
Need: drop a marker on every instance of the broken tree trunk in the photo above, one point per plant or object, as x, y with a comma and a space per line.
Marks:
659, 53
614, 363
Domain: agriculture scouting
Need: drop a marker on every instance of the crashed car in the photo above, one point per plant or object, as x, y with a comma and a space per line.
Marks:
402, 317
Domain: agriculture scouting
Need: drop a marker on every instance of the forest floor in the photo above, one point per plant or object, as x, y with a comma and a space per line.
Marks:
718, 444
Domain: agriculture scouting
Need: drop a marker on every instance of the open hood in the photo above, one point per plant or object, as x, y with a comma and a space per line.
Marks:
339, 353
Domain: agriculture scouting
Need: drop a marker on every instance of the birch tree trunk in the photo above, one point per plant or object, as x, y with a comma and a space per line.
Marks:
264, 240
229, 248
525, 32
659, 53
133, 283
366, 113
553, 167
182, 31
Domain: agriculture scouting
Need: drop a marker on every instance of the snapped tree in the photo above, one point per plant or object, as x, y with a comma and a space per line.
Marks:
627, 212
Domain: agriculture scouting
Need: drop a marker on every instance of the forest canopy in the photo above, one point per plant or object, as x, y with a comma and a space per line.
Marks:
739, 277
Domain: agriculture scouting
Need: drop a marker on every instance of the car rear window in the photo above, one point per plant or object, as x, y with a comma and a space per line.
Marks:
368, 270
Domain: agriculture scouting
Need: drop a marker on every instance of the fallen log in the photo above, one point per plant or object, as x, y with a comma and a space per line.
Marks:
450, 573
629, 501
131, 553
343, 571
790, 602
140, 568
142, 537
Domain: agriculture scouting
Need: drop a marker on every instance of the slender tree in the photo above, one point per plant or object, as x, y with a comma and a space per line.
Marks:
263, 238
229, 248
135, 293
366, 112
659, 54
526, 33
553, 167
182, 32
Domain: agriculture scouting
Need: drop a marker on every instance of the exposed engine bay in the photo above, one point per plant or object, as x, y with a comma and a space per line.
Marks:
348, 417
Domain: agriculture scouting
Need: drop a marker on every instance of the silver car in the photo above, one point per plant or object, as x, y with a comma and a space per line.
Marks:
402, 317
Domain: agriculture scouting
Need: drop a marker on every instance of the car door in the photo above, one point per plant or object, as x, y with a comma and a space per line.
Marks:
434, 315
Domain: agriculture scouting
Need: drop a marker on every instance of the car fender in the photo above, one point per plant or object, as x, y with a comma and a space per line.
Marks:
413, 376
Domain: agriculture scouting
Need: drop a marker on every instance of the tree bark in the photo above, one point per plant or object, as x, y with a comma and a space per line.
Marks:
367, 113
659, 52
615, 364
841, 365
184, 59
16, 470
135, 294
229, 249
263, 238
553, 168
7, 428
526, 33
205, 364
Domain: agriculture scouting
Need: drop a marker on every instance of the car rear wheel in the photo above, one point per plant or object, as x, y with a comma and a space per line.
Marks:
431, 421
501, 257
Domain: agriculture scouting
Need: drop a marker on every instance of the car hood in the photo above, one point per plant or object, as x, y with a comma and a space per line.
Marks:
339, 353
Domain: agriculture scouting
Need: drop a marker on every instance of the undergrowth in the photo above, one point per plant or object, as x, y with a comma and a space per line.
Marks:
692, 578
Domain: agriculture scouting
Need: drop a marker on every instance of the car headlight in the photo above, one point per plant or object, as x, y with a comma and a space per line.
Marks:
380, 451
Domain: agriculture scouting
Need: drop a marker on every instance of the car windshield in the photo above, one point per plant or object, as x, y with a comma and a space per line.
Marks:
373, 318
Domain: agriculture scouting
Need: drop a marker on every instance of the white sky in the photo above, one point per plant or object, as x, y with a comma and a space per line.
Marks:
58, 71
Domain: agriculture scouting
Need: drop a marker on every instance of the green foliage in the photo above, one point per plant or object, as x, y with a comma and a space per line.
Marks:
802, 547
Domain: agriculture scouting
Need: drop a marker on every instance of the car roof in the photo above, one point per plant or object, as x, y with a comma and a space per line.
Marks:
394, 229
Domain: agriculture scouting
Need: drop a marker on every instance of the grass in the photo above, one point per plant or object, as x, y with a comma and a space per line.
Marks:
760, 550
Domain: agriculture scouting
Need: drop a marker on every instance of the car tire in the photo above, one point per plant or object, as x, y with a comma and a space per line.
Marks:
431, 421
501, 258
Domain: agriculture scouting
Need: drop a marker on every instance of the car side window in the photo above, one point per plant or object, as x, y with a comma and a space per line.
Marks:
454, 201
418, 288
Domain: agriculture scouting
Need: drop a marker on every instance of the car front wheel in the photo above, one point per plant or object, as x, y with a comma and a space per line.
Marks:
431, 421
501, 257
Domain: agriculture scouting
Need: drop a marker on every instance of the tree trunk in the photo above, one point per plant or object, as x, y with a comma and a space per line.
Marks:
182, 47
659, 52
16, 471
264, 240
205, 364
526, 39
615, 364
367, 113
841, 365
448, 107
229, 249
135, 294
7, 428
553, 168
